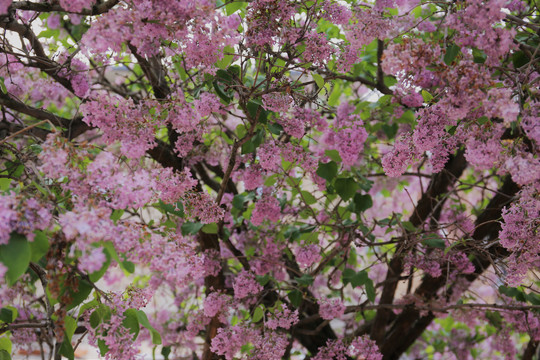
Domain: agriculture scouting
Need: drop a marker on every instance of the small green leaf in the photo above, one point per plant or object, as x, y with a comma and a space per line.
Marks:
233, 7
5, 344
189, 228
304, 280
238, 201
70, 325
103, 348
334, 155
166, 351
128, 266
327, 171
451, 52
227, 58
39, 246
8, 315
15, 256
67, 350
4, 183
427, 96
318, 80
346, 188
295, 297
131, 322
434, 241
308, 198
77, 297
407, 225
362, 202
258, 314
4, 355
370, 290
143, 320
2, 85
210, 228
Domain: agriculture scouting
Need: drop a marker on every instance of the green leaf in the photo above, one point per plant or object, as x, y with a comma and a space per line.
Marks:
304, 280
362, 202
176, 209
407, 225
2, 85
143, 320
275, 128
427, 96
210, 228
8, 315
335, 95
234, 6
4, 355
370, 290
166, 351
128, 266
327, 171
77, 297
308, 198
346, 188
131, 322
334, 155
190, 228
318, 80
295, 297
15, 256
356, 279
258, 314
238, 201
4, 184
227, 58
451, 52
5, 344
117, 214
67, 350
434, 241
39, 246
103, 348
263, 280
70, 325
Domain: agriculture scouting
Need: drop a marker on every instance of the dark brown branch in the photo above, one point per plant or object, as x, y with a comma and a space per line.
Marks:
41, 60
426, 205
409, 325
97, 9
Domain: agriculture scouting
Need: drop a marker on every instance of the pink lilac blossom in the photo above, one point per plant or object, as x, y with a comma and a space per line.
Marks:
4, 5
476, 26
348, 134
92, 261
364, 348
76, 5
122, 120
267, 208
519, 235
22, 216
308, 255
229, 341
277, 102
216, 303
245, 285
283, 318
330, 309
399, 158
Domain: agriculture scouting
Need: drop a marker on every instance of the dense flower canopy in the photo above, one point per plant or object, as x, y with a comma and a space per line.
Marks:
270, 179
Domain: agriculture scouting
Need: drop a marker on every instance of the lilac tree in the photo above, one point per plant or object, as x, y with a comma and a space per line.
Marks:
270, 179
